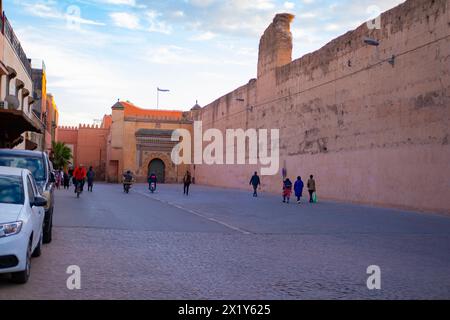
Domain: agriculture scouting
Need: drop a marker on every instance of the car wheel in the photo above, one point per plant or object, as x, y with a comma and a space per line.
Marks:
23, 276
38, 250
48, 230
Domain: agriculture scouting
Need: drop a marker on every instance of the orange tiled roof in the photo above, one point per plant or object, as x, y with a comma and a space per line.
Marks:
131, 110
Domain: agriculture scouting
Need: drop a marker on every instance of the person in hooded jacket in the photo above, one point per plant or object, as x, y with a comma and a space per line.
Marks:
298, 189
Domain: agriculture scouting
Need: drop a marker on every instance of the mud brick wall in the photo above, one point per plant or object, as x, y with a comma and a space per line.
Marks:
372, 129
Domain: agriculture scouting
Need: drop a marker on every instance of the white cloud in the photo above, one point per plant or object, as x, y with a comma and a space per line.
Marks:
245, 5
121, 2
50, 11
307, 15
172, 55
157, 25
289, 5
204, 36
125, 20
178, 14
42, 10
201, 3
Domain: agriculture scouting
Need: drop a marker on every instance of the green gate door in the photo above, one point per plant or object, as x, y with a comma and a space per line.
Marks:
157, 167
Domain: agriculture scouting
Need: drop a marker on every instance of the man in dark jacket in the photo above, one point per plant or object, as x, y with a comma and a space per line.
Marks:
187, 180
255, 181
90, 178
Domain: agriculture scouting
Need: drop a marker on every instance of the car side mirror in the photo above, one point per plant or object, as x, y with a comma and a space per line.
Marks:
52, 178
39, 202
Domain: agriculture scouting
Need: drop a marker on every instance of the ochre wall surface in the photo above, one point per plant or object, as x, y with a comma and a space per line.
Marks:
173, 174
370, 131
89, 146
69, 135
122, 153
92, 149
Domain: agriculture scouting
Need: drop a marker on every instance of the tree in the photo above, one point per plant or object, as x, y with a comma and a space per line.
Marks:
62, 155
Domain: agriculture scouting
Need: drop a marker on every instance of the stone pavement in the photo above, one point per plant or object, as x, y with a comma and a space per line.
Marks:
224, 244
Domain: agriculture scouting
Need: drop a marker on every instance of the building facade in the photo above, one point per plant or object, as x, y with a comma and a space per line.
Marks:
16, 90
51, 121
36, 141
131, 138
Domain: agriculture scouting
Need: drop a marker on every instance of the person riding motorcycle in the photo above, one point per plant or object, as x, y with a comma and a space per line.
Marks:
79, 175
152, 179
127, 179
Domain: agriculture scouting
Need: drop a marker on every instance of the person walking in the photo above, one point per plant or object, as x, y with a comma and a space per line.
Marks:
70, 172
255, 181
187, 180
66, 180
311, 188
287, 190
90, 178
57, 179
298, 188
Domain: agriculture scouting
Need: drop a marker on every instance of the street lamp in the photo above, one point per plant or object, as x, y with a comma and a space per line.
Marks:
371, 42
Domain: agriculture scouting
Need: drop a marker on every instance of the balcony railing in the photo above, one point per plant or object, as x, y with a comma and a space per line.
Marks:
9, 34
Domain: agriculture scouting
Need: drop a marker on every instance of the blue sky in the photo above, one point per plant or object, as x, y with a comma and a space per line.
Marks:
98, 51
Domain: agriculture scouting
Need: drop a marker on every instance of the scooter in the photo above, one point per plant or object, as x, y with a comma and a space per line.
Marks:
152, 187
127, 186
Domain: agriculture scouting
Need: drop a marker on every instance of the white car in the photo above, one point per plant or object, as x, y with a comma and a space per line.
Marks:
21, 222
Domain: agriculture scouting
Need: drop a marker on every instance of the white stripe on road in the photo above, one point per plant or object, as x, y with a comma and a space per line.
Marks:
194, 212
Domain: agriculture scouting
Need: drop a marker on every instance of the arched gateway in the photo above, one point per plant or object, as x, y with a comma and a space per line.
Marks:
158, 167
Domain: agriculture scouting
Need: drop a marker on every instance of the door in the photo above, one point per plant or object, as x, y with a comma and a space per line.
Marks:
158, 167
113, 171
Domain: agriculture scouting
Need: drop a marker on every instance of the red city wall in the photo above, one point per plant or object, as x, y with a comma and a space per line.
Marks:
89, 143
371, 131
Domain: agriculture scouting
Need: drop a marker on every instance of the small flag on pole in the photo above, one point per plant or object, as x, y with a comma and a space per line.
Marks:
157, 94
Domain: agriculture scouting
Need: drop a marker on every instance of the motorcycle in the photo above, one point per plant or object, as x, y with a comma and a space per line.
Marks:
152, 187
127, 186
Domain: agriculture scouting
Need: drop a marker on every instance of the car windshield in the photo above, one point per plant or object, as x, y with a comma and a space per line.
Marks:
35, 165
11, 190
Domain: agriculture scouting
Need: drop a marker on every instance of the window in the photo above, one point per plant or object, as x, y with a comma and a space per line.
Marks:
31, 192
35, 165
11, 190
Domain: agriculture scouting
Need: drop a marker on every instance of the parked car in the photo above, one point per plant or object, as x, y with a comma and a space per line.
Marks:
38, 163
21, 222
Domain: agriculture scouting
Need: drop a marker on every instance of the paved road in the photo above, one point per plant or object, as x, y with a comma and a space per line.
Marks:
224, 244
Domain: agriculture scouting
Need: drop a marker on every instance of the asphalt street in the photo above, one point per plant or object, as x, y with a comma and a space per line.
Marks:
225, 244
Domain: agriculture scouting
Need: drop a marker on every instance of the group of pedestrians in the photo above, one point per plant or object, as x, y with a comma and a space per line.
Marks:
288, 187
62, 179
77, 175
